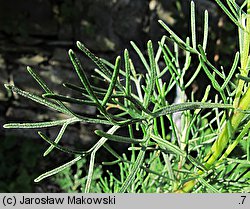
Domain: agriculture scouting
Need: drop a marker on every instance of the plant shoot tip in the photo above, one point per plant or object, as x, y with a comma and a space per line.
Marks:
70, 51
8, 86
36, 180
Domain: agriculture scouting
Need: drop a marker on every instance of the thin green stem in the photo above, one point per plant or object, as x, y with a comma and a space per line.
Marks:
244, 58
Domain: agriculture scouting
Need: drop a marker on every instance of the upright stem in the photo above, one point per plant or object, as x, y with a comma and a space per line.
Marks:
244, 53
241, 102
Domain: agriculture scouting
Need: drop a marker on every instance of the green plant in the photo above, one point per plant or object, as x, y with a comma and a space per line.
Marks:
162, 160
74, 180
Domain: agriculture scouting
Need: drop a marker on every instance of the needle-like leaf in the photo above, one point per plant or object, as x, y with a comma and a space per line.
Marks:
229, 14
189, 106
63, 149
95, 59
58, 169
134, 170
171, 32
118, 138
128, 69
44, 86
205, 35
168, 145
38, 80
41, 124
151, 84
231, 72
83, 77
58, 138
193, 26
112, 82
37, 99
140, 54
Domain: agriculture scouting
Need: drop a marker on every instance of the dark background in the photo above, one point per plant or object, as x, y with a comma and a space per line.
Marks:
39, 33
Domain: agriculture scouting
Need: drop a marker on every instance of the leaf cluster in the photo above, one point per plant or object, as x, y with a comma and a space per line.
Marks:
161, 158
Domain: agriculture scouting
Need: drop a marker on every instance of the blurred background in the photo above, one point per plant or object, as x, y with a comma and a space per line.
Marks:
38, 33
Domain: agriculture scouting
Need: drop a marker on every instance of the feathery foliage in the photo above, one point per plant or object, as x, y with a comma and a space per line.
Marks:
161, 160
